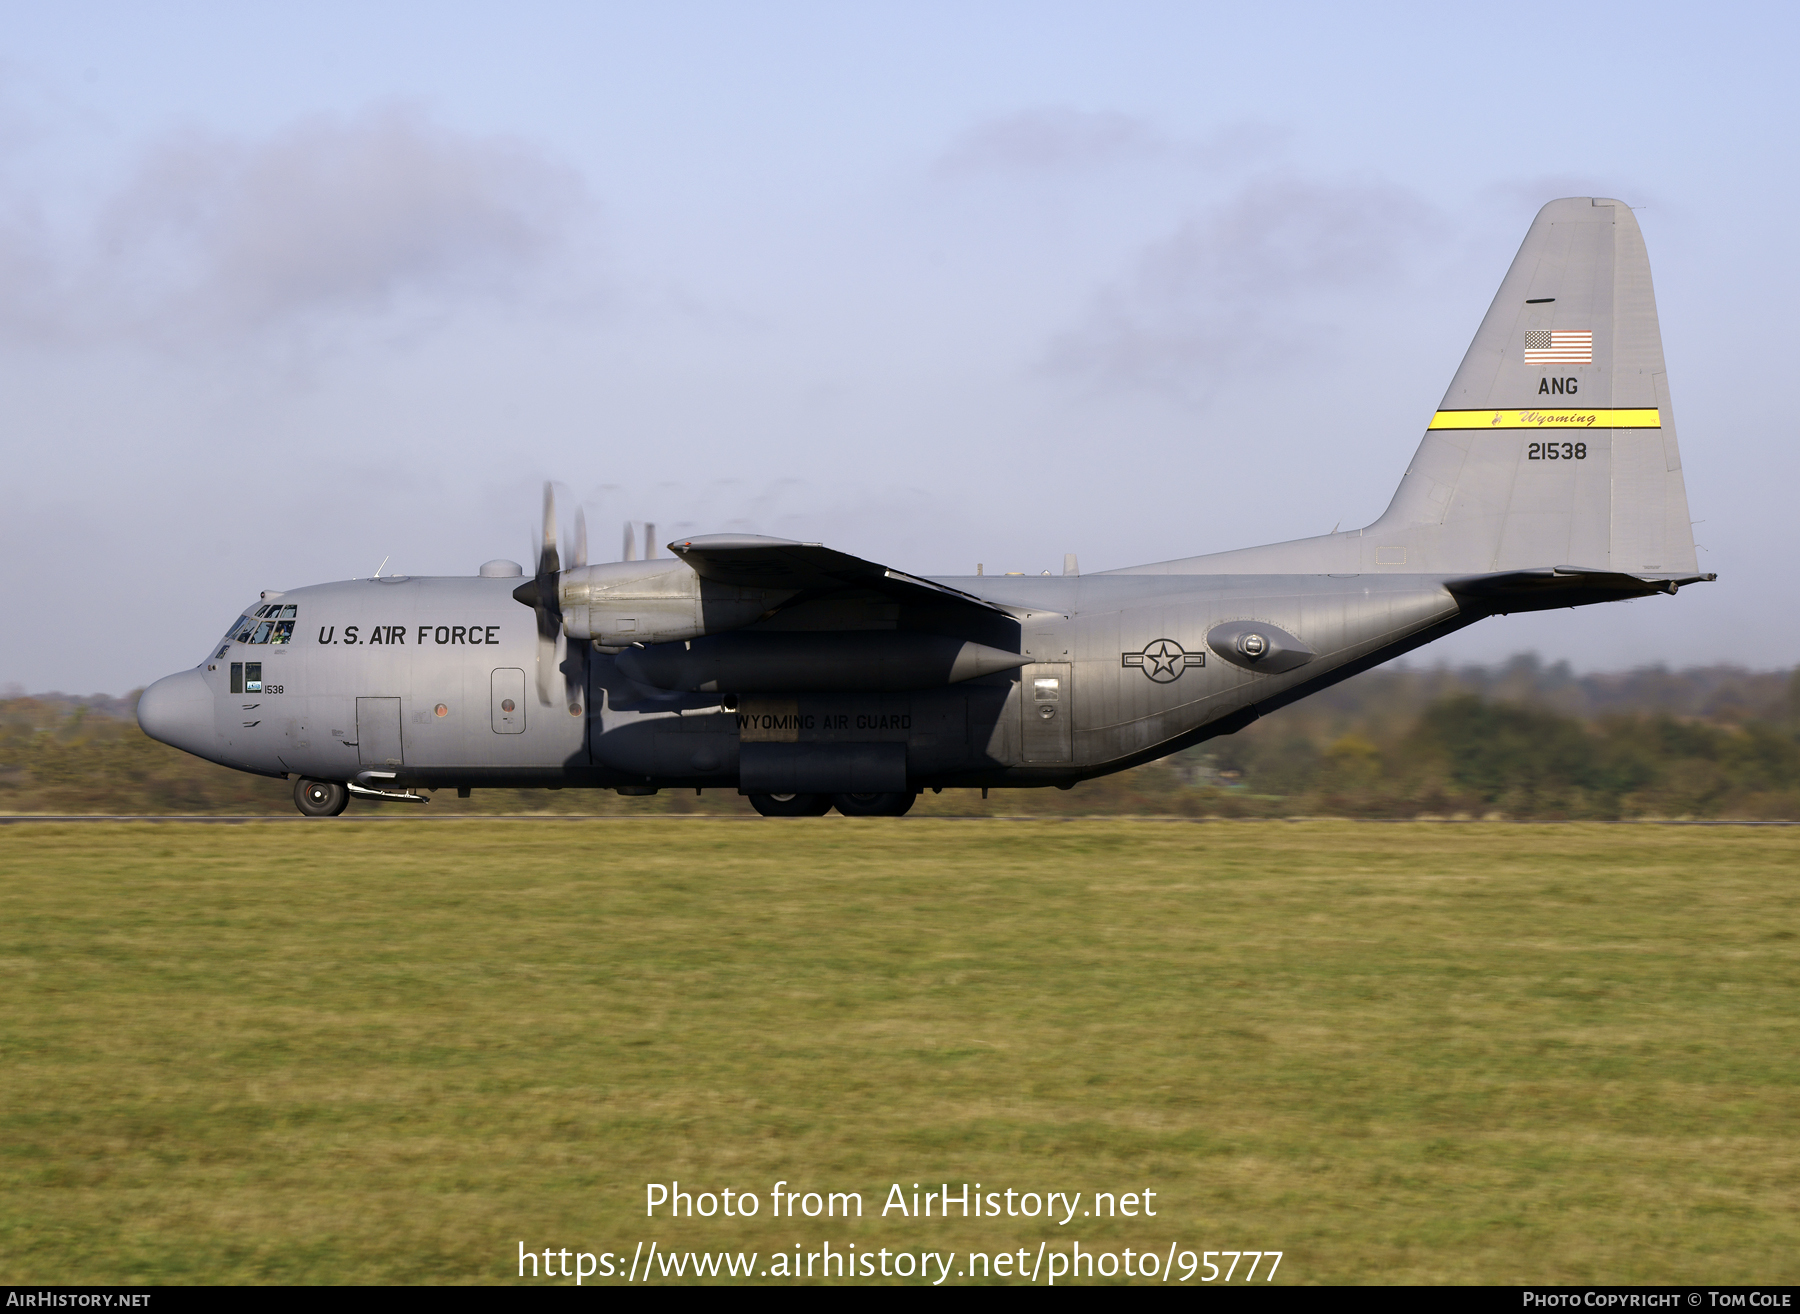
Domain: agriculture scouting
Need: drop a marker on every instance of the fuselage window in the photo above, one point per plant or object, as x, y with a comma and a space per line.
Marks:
237, 677
252, 677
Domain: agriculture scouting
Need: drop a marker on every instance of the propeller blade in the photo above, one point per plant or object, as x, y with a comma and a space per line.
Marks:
649, 540
630, 544
546, 667
547, 561
543, 594
578, 557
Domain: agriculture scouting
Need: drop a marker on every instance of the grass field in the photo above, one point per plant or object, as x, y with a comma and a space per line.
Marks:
1397, 1053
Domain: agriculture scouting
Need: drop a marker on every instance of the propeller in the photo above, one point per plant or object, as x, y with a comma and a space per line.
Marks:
542, 593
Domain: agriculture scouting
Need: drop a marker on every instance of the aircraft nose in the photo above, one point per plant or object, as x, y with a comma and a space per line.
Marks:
178, 710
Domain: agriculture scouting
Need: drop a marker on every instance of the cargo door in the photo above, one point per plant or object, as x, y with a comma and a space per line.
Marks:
509, 701
1047, 732
378, 732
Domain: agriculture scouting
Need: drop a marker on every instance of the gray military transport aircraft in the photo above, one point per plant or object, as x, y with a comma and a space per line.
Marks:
807, 678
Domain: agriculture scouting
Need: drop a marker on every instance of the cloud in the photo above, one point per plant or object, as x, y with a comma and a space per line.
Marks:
327, 220
1060, 139
1054, 138
1243, 284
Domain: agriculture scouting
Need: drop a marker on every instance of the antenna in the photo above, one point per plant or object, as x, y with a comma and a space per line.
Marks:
649, 539
389, 557
1070, 565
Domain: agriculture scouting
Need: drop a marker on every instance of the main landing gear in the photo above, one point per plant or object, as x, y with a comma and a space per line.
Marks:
791, 805
874, 805
320, 798
817, 805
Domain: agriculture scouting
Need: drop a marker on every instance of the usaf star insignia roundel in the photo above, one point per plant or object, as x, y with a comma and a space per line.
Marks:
1163, 660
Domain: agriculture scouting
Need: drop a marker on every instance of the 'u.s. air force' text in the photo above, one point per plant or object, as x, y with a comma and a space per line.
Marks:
390, 634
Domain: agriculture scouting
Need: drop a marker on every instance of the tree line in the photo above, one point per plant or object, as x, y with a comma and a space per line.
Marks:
1523, 740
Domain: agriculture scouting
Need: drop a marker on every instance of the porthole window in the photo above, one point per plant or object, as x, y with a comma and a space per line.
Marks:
441, 710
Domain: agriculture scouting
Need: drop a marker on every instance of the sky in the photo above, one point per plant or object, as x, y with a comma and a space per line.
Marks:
288, 293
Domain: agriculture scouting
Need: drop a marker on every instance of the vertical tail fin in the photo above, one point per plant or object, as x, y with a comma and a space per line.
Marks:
1555, 444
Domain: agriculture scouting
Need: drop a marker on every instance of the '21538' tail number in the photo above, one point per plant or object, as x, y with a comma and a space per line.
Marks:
1556, 452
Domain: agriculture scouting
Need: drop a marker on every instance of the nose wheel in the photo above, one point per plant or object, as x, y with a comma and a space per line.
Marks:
320, 798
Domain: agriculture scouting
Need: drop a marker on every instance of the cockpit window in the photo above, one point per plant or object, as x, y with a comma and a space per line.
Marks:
270, 623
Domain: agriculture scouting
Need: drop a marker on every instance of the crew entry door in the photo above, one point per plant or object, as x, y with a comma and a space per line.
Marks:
378, 732
1048, 732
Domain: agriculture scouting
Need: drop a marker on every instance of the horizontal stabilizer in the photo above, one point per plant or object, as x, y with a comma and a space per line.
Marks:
1563, 586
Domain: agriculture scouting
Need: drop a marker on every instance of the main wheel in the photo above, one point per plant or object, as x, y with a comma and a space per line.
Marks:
791, 805
320, 798
874, 805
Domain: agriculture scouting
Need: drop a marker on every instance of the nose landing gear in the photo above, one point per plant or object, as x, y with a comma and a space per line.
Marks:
320, 798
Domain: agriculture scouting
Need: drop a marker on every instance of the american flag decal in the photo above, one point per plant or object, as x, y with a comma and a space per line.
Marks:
1558, 347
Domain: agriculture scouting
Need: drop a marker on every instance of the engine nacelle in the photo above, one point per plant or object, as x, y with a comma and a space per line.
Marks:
621, 603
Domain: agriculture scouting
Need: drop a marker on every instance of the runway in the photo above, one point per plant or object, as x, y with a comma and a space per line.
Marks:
94, 818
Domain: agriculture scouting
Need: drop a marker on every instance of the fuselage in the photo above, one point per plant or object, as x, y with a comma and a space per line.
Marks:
429, 683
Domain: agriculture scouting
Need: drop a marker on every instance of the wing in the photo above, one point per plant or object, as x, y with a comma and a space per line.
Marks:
752, 561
